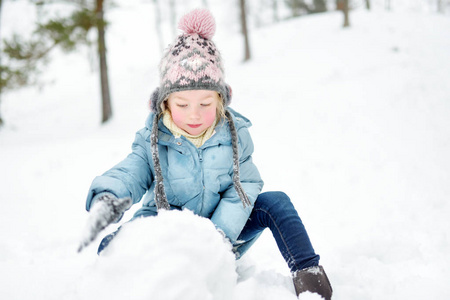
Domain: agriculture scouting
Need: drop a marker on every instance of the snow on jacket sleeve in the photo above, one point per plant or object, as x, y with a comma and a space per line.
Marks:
130, 178
230, 215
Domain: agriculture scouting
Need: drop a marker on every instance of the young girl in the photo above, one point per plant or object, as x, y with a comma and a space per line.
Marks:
196, 153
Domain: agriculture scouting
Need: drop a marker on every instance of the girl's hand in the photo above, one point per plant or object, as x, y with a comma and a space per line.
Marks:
106, 210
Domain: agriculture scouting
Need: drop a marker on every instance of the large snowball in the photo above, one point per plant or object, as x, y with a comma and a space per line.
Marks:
176, 255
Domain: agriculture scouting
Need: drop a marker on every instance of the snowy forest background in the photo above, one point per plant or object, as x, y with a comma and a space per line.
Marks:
353, 123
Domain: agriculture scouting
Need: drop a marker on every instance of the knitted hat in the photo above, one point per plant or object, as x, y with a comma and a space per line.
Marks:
192, 63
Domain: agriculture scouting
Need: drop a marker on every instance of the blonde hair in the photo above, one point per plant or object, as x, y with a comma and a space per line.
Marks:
220, 108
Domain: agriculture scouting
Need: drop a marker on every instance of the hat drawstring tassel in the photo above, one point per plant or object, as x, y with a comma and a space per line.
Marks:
160, 193
236, 177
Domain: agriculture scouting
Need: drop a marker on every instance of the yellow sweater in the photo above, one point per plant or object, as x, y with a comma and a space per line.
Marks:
197, 140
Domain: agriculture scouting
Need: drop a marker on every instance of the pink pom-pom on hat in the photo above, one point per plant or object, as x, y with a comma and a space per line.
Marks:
199, 21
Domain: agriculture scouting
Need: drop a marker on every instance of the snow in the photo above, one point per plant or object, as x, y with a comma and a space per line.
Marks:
360, 116
309, 296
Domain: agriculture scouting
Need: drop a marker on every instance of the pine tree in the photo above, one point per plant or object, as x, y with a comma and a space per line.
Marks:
26, 58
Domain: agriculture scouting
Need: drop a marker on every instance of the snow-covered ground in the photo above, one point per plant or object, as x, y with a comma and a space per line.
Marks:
353, 124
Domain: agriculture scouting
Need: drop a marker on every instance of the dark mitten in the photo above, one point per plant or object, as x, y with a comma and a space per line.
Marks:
106, 210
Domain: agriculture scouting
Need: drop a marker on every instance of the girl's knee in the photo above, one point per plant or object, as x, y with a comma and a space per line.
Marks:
273, 199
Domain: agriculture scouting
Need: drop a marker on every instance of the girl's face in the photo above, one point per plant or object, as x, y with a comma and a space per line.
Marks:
193, 111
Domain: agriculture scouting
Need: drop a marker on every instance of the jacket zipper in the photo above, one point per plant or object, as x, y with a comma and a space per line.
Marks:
200, 159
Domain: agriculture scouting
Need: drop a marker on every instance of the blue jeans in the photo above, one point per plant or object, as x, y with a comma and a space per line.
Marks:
275, 211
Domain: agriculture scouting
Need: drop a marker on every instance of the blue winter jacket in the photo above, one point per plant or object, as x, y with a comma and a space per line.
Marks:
198, 179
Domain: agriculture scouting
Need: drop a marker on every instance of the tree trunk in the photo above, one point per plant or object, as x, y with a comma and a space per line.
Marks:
387, 4
1, 51
106, 98
158, 25
440, 6
276, 19
346, 17
247, 55
295, 9
320, 6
